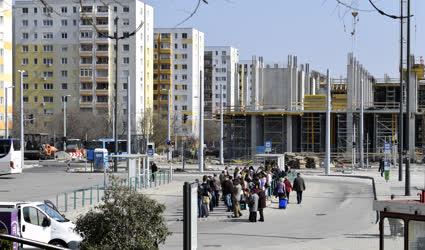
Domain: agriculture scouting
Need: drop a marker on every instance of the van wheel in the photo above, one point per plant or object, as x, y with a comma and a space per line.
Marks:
58, 243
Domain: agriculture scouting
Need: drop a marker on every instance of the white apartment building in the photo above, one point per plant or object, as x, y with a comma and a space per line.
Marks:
223, 62
65, 49
179, 72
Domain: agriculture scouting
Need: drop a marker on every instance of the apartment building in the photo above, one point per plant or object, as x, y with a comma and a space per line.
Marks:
66, 50
220, 77
179, 73
6, 65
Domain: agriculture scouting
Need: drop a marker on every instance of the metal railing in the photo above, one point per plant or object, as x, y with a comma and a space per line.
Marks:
33, 243
86, 197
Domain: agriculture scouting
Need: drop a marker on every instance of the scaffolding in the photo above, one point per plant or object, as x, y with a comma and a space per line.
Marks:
385, 130
274, 131
341, 133
238, 137
311, 132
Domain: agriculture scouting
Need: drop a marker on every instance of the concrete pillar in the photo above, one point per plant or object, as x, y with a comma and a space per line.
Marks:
254, 132
412, 117
350, 102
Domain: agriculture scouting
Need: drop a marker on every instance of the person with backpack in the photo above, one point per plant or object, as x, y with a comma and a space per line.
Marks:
205, 197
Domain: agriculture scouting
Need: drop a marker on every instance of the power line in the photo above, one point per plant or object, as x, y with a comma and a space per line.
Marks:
386, 14
193, 12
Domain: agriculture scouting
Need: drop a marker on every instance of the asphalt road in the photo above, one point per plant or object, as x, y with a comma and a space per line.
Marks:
333, 208
36, 184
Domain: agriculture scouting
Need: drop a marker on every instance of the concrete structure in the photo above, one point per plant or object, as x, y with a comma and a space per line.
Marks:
291, 104
6, 65
220, 70
179, 69
249, 73
65, 50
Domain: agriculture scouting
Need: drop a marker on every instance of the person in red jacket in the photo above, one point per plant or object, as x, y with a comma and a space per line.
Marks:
288, 187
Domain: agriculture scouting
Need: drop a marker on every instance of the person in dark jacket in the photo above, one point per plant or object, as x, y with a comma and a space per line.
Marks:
299, 187
381, 166
227, 192
262, 202
154, 169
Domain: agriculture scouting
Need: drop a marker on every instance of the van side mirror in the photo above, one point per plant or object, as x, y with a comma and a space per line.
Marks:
46, 222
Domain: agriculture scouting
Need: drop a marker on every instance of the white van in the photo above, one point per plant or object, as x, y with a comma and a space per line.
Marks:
41, 222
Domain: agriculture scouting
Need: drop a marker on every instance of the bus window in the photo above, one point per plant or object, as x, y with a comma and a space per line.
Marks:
122, 146
17, 145
4, 147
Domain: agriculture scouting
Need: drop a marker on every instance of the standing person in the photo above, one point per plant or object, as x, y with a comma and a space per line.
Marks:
236, 198
288, 187
217, 185
212, 193
299, 187
253, 207
227, 192
205, 195
381, 166
262, 202
280, 189
154, 169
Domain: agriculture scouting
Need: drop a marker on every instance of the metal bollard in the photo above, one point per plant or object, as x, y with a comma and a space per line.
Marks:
66, 202
83, 198
91, 196
75, 199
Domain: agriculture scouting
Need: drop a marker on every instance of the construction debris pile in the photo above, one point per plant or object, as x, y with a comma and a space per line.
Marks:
301, 160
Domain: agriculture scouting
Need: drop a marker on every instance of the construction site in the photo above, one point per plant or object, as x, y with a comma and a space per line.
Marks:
287, 106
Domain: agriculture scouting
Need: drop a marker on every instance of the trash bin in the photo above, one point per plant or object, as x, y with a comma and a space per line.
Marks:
90, 154
101, 159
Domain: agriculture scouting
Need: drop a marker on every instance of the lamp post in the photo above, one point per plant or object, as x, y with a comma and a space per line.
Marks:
6, 122
64, 100
21, 74
221, 126
169, 156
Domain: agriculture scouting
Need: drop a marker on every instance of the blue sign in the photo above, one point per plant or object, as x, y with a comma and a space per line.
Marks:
260, 149
150, 152
268, 145
387, 148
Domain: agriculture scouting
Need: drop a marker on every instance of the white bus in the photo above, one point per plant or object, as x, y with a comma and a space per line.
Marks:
10, 156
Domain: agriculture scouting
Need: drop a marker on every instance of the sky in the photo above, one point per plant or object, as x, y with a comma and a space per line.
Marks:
317, 31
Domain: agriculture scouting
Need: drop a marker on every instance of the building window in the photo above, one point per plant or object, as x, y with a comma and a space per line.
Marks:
47, 22
126, 22
64, 22
47, 35
47, 10
102, 98
184, 35
35, 86
64, 48
47, 98
184, 66
48, 61
184, 56
64, 35
86, 72
64, 73
184, 87
126, 60
64, 9
48, 86
24, 61
64, 86
176, 46
24, 48
47, 48
24, 35
25, 85
184, 77
24, 10
35, 10
25, 98
74, 9
24, 22
35, 98
48, 74
74, 22
126, 47
126, 9
184, 107
35, 35
64, 60
35, 22
184, 46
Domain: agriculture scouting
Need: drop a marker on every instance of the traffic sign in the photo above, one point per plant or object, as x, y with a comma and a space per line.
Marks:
387, 148
268, 145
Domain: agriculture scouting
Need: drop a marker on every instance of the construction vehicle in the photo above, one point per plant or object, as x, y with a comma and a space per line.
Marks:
33, 144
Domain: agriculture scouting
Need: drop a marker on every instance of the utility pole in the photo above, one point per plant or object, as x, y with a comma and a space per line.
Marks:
64, 100
221, 126
128, 116
6, 118
116, 95
400, 115
22, 116
169, 152
201, 125
407, 182
328, 125
361, 142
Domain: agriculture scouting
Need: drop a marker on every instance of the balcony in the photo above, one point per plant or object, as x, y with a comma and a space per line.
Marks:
86, 104
102, 66
164, 71
102, 91
102, 53
102, 78
164, 61
165, 50
101, 104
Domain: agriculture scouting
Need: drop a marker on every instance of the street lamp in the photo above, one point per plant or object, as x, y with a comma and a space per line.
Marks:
6, 123
22, 115
64, 100
169, 156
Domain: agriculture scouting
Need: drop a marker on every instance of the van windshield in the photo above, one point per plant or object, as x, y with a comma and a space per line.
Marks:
52, 213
